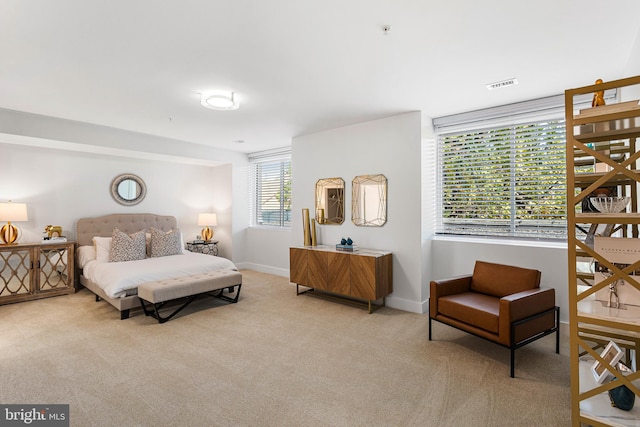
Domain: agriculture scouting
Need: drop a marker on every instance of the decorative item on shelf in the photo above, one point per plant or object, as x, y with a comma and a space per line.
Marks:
347, 245
314, 239
11, 212
619, 294
58, 239
613, 291
610, 204
587, 206
621, 397
306, 227
612, 355
622, 253
207, 220
598, 96
53, 234
53, 231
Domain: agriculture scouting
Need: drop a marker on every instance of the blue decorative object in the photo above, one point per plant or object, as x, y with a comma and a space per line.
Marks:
622, 398
343, 241
349, 241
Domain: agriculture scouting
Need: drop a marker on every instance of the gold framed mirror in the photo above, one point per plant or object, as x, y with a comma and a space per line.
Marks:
128, 189
330, 201
369, 200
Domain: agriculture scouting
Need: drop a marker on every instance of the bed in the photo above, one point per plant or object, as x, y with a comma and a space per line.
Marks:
116, 282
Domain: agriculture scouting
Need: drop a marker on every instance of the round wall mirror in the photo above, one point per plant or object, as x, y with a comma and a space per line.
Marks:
128, 189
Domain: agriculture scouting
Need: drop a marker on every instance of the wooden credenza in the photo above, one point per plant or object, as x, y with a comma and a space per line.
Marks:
36, 270
365, 275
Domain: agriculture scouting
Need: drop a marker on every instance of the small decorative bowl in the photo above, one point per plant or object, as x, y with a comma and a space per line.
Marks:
609, 204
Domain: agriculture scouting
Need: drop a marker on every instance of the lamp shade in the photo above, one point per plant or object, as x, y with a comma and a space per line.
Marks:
13, 212
207, 219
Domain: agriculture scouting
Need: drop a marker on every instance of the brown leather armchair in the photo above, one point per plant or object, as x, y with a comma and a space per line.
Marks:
500, 303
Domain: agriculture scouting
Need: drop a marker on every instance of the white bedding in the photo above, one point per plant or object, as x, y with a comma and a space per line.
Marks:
115, 278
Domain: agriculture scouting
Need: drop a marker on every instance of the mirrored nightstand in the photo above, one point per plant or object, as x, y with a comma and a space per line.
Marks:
203, 247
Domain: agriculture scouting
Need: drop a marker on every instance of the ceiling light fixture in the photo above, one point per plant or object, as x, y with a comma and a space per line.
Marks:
219, 100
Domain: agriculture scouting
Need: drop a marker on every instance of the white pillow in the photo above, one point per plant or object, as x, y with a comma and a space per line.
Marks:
103, 248
84, 254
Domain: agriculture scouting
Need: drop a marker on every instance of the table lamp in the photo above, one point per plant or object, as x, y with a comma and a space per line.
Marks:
206, 220
11, 212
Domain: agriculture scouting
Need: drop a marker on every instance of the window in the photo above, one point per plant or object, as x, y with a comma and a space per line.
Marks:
503, 174
271, 188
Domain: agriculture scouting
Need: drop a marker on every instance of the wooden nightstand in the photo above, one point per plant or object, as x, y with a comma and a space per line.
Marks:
209, 247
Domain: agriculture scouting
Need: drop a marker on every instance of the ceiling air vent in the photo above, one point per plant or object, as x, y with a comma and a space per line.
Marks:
503, 83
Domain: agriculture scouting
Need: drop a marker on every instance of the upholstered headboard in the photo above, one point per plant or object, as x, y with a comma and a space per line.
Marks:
102, 226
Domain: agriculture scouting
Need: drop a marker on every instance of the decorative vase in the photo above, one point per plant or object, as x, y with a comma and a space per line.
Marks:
622, 397
320, 215
305, 227
314, 240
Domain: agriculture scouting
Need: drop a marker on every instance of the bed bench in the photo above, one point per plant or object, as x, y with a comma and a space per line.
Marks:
213, 283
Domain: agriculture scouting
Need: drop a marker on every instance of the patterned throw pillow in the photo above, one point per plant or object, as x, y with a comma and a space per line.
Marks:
126, 247
165, 244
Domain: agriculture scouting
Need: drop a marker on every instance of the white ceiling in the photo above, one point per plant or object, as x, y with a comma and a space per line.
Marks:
297, 66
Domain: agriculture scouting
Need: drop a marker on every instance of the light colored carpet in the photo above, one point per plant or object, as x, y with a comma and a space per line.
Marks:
272, 359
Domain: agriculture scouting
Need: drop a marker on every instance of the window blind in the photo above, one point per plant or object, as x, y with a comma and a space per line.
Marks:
271, 188
503, 175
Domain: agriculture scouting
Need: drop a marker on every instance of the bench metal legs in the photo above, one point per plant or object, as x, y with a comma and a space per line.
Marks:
219, 294
155, 312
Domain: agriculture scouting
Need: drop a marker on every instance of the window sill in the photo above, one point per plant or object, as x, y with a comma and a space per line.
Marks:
270, 228
504, 241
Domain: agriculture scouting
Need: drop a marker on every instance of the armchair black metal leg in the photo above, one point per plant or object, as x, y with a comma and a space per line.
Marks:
512, 347
513, 361
557, 330
429, 328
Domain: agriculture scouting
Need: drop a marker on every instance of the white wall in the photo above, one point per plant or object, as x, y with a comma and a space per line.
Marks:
267, 250
392, 147
62, 169
59, 187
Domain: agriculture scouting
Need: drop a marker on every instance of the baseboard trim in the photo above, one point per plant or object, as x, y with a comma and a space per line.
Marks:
263, 268
407, 305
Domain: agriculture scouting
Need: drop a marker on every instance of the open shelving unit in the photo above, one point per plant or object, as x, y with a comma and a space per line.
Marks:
602, 155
